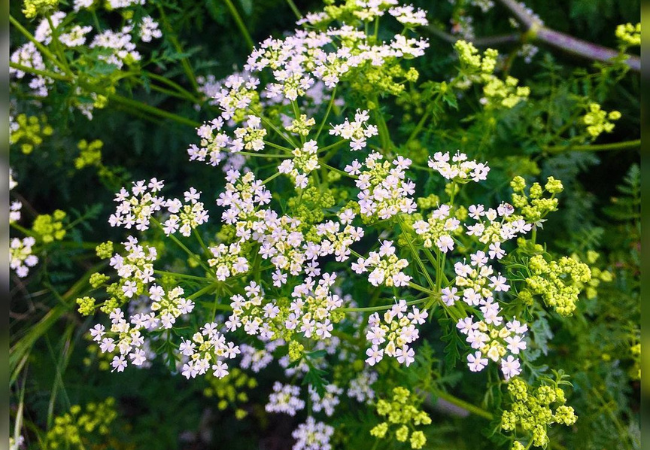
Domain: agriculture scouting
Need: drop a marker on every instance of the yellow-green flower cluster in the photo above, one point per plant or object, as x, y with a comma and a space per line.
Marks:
597, 275
231, 390
629, 35
385, 79
598, 121
29, 132
429, 202
33, 8
558, 282
533, 410
104, 250
635, 351
497, 93
302, 125
503, 94
86, 305
76, 429
50, 227
533, 206
91, 154
472, 61
403, 413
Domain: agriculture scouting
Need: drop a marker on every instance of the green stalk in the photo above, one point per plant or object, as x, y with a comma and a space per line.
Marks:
182, 275
594, 148
203, 291
295, 10
206, 250
380, 308
462, 404
172, 84
272, 177
57, 45
264, 155
271, 125
276, 146
418, 128
151, 109
184, 61
114, 97
327, 113
240, 24
384, 134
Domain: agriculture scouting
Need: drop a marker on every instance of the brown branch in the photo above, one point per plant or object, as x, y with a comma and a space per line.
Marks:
535, 30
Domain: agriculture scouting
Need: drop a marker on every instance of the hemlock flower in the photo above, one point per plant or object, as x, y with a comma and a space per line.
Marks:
384, 267
274, 259
284, 399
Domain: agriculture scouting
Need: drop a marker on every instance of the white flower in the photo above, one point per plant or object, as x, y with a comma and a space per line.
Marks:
476, 362
510, 367
375, 354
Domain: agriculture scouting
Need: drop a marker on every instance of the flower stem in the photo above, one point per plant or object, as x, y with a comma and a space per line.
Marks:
327, 113
240, 24
295, 10
594, 148
461, 403
381, 308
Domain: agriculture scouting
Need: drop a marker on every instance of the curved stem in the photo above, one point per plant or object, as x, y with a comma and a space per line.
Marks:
535, 30
380, 308
594, 148
461, 403
240, 24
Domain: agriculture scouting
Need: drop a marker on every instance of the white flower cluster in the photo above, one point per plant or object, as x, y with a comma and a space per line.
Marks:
311, 307
496, 226
250, 137
15, 206
76, 37
43, 32
257, 359
249, 312
187, 217
409, 16
357, 132
206, 351
478, 283
304, 161
384, 267
117, 47
169, 305
120, 42
438, 229
28, 55
136, 268
212, 145
228, 261
136, 208
126, 337
336, 241
149, 29
312, 435
20, 255
360, 386
494, 342
285, 399
460, 169
385, 191
394, 333
329, 400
